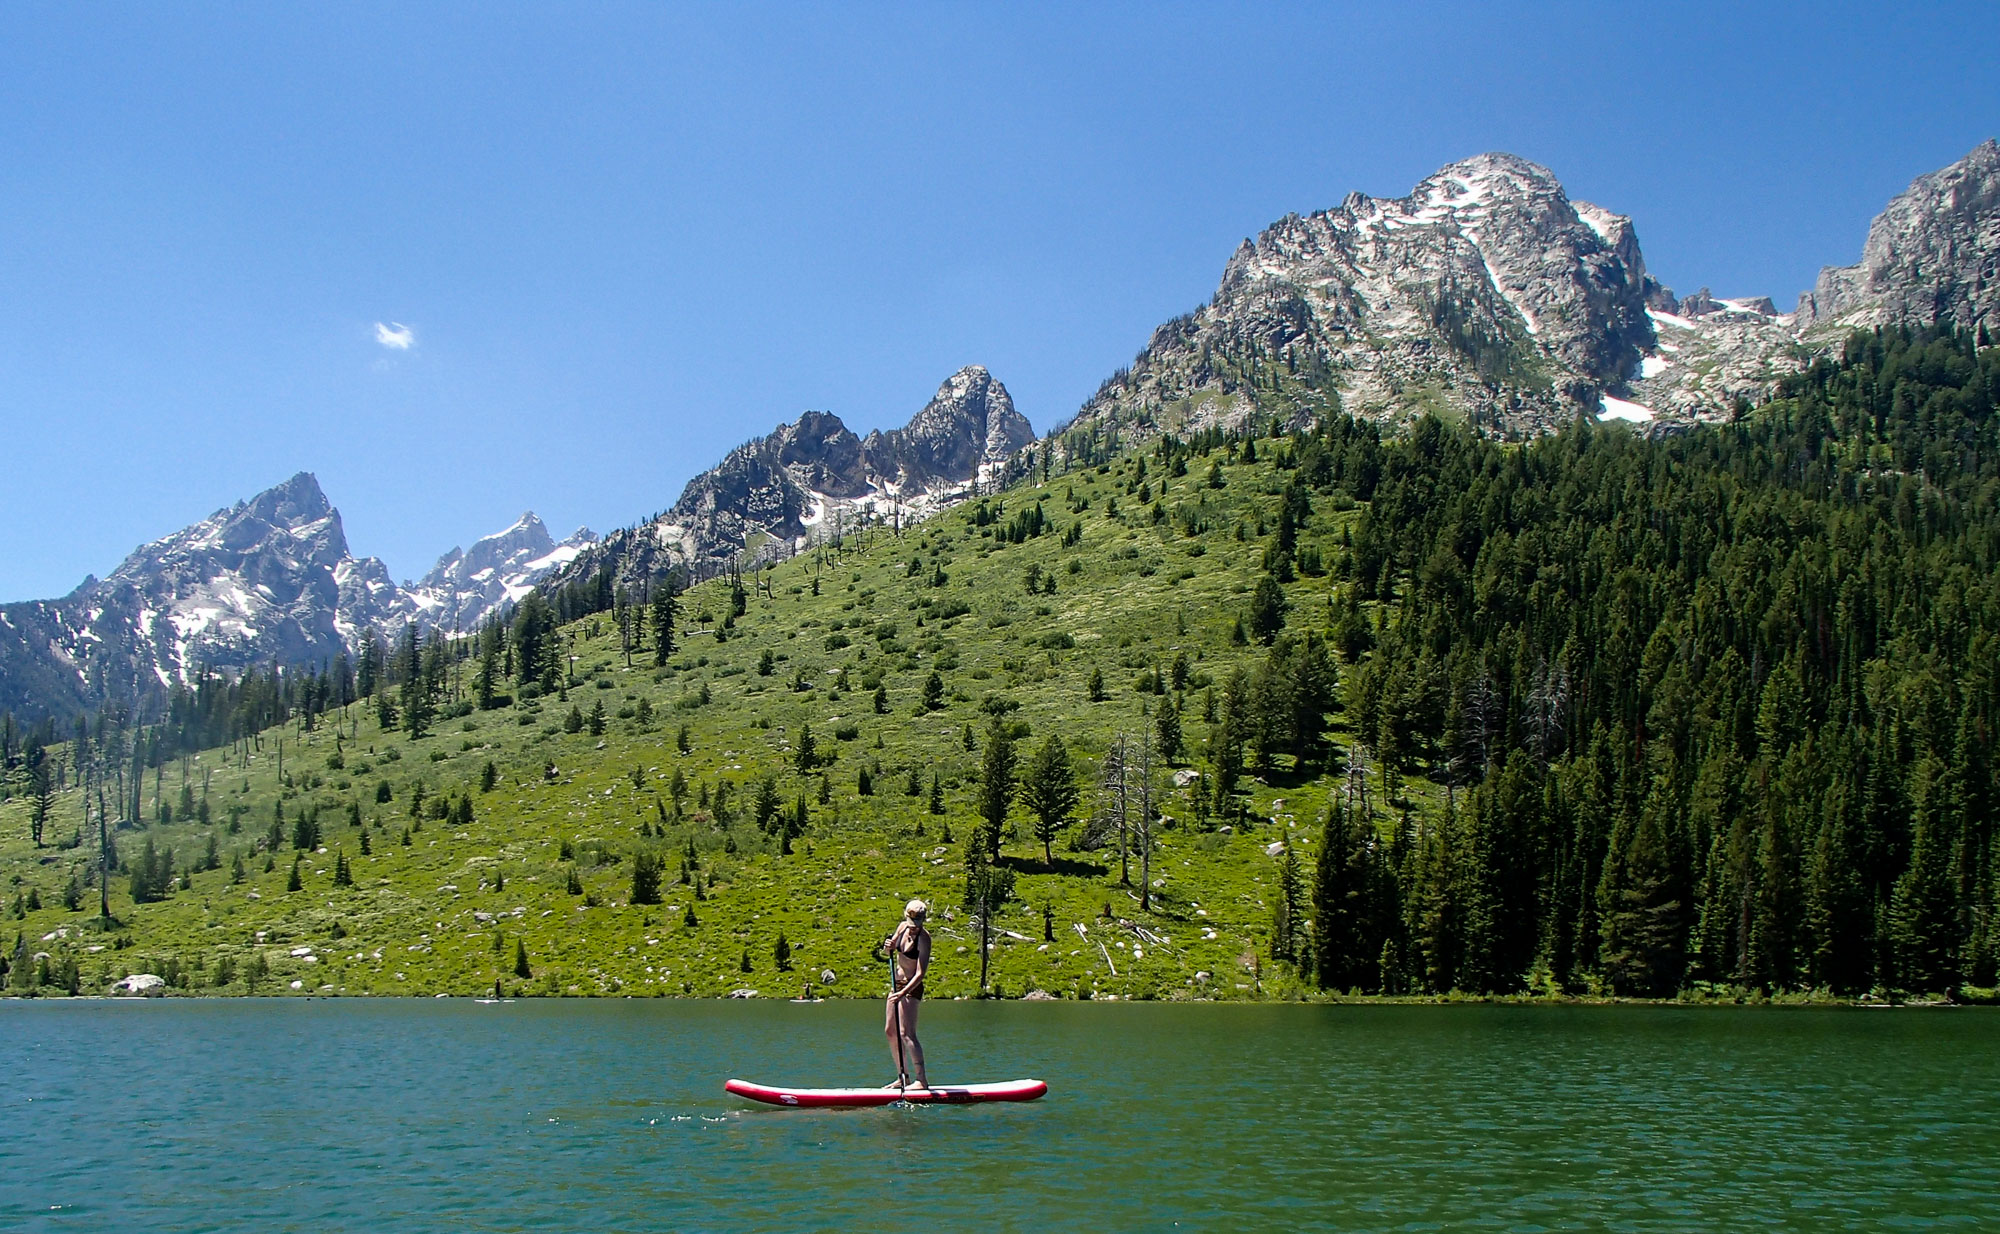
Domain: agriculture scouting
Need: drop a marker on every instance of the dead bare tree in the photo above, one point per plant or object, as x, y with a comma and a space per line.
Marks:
1145, 825
1111, 817
1548, 705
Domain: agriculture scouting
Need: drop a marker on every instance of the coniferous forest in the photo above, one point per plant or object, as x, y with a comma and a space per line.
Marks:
1713, 707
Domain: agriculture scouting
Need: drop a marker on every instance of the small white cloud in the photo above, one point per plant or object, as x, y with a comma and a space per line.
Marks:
395, 335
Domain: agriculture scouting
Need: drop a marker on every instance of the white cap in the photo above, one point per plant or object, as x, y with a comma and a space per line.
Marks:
915, 908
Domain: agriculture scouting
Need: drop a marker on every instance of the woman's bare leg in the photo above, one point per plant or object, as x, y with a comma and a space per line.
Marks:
893, 1031
913, 1050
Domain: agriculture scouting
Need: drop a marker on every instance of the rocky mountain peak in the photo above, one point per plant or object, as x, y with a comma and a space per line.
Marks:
967, 428
1488, 292
466, 586
288, 523
527, 535
1485, 287
297, 501
1933, 255
813, 477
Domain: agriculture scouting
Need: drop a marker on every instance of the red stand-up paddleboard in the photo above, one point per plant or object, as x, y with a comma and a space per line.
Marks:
941, 1094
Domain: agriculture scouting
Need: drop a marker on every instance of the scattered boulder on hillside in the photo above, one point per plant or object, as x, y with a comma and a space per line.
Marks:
144, 985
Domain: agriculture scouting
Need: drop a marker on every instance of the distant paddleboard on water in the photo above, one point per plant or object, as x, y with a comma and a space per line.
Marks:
940, 1094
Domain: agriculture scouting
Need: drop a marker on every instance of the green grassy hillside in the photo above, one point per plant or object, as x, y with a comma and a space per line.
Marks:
1136, 569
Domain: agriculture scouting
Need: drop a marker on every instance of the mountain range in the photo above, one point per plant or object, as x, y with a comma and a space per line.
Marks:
272, 581
266, 581
814, 477
1487, 293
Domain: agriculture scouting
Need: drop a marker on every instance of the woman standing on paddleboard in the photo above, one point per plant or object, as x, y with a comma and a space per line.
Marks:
909, 951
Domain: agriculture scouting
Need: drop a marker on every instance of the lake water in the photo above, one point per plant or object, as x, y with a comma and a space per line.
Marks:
569, 1115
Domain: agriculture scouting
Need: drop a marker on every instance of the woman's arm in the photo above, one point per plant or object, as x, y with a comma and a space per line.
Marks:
893, 945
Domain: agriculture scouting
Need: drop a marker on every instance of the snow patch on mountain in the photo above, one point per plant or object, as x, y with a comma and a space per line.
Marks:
466, 586
1620, 409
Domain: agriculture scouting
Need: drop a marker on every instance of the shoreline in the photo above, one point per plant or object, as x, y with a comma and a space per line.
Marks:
1968, 999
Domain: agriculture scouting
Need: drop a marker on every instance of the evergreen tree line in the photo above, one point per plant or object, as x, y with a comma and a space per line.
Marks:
1709, 707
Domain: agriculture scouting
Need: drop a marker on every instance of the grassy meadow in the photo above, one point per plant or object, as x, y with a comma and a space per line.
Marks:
531, 895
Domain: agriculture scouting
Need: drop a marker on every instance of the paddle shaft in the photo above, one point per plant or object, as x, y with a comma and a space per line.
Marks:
896, 1014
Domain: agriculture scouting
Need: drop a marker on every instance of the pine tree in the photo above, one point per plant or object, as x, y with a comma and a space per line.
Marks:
666, 607
1167, 730
1288, 941
1436, 901
41, 793
806, 756
645, 878
1838, 914
1267, 609
996, 785
1644, 925
521, 968
1922, 922
794, 825
486, 685
1049, 791
423, 678
1348, 909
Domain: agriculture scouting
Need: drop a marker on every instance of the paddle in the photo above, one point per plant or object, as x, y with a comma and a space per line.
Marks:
896, 1015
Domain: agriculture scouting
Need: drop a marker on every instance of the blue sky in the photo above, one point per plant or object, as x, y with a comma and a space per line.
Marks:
622, 239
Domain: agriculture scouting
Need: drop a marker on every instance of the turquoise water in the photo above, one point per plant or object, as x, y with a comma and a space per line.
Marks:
567, 1115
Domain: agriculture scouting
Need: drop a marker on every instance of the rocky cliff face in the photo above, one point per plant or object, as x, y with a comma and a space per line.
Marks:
1485, 291
965, 433
1932, 256
267, 581
815, 477
1488, 293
